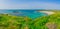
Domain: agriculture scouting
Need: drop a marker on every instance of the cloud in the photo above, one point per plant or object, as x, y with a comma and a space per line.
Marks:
28, 5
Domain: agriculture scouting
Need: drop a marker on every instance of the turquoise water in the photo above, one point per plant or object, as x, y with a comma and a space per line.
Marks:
29, 13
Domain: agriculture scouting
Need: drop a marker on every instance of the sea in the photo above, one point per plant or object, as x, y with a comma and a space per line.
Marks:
30, 13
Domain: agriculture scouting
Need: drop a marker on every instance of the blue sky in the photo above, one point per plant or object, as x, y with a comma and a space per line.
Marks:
29, 4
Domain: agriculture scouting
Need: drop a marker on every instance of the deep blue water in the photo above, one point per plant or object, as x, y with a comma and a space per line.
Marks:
29, 13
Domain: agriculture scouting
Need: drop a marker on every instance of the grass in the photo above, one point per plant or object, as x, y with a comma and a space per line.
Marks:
18, 22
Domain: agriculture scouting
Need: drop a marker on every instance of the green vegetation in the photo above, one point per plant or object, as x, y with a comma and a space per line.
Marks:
19, 22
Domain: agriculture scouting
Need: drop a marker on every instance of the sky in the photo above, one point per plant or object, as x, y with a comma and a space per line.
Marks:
29, 4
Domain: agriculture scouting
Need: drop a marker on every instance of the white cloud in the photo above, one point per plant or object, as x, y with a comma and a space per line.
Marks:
30, 5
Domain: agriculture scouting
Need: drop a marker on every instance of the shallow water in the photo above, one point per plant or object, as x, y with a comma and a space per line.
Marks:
29, 13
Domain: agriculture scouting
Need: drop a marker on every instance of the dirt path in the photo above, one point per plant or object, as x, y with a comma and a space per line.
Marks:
51, 25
